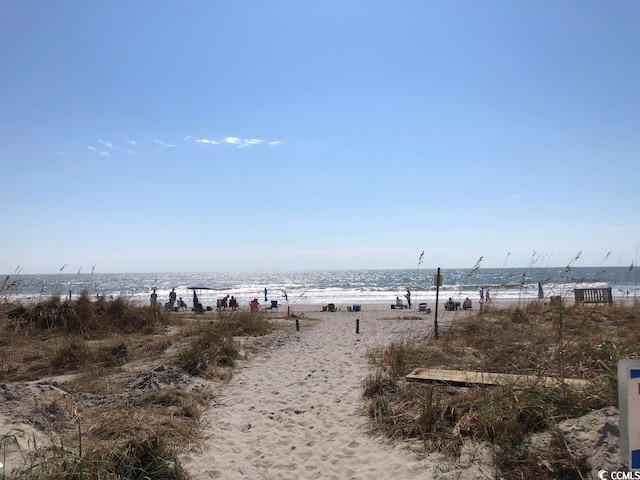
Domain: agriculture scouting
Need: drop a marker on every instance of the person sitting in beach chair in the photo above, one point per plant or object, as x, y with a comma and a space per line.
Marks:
466, 305
254, 304
221, 303
332, 307
399, 303
182, 305
449, 304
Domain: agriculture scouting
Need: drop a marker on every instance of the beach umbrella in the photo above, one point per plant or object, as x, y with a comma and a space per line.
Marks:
195, 299
197, 286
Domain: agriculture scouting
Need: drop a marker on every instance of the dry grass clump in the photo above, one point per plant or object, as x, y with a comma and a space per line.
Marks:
120, 411
84, 316
245, 323
533, 340
134, 440
210, 350
214, 347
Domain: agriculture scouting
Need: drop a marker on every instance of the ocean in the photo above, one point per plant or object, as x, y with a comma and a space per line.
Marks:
342, 287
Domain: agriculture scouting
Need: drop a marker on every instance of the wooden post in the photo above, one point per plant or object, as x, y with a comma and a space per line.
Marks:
357, 325
297, 325
435, 320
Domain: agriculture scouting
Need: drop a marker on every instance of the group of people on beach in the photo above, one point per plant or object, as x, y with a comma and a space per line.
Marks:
226, 302
485, 298
399, 303
176, 304
173, 302
485, 295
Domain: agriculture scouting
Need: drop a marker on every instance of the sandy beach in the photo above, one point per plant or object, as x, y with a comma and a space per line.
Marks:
295, 411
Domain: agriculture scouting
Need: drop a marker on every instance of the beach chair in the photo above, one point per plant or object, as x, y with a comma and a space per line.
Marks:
422, 308
332, 308
274, 304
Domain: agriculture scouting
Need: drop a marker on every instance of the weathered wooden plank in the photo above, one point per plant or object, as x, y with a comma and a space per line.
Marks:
459, 377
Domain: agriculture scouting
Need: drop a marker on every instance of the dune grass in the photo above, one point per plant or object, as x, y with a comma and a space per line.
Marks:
532, 339
123, 411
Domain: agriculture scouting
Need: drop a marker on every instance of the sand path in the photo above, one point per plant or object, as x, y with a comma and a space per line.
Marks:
294, 412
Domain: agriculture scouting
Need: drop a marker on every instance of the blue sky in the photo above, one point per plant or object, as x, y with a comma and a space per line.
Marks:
289, 135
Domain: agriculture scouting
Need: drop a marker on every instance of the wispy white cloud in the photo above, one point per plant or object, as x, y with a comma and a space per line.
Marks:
237, 141
129, 144
207, 141
105, 154
242, 142
64, 154
162, 143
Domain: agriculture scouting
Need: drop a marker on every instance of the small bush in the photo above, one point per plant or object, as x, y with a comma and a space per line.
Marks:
237, 324
379, 384
71, 356
210, 349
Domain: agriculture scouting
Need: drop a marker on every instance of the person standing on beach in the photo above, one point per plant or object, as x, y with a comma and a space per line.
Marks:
172, 297
481, 294
486, 295
154, 298
540, 291
408, 297
233, 303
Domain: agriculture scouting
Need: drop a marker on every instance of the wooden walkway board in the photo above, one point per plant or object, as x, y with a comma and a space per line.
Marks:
458, 377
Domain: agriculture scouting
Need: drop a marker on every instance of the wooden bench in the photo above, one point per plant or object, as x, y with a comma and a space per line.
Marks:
593, 295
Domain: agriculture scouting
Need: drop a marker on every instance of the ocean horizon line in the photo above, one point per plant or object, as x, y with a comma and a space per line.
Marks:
305, 270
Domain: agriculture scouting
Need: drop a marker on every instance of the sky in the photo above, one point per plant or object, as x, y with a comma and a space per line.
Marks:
206, 135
